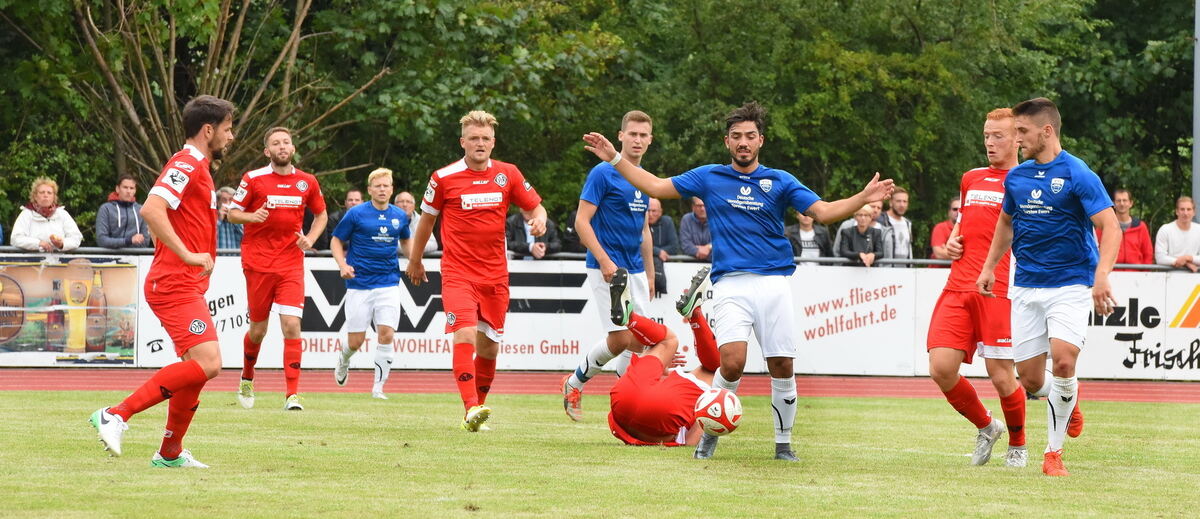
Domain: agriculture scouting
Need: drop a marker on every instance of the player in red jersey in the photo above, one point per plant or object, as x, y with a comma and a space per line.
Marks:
181, 211
271, 202
472, 197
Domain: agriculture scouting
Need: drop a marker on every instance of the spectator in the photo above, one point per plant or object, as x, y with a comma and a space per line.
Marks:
899, 227
808, 240
1, 234
229, 234
665, 242
353, 198
886, 233
119, 221
43, 225
1135, 238
693, 232
570, 238
523, 244
863, 243
405, 201
941, 231
1178, 243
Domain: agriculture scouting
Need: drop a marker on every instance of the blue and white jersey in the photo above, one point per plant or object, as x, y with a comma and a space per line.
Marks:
745, 216
619, 219
1051, 207
372, 236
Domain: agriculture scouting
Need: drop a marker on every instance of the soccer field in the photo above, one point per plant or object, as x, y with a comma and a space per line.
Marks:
348, 455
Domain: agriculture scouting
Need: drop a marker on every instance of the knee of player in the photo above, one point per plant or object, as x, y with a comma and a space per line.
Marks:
385, 336
1064, 368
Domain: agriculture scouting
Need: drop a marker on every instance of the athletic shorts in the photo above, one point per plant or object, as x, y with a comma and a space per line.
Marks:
745, 303
653, 405
184, 315
639, 291
479, 305
968, 321
379, 305
1041, 314
268, 292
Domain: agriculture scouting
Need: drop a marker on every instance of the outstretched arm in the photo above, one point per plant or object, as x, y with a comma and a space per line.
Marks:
640, 178
829, 212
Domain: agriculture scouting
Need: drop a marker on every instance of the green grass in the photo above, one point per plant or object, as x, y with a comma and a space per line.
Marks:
350, 456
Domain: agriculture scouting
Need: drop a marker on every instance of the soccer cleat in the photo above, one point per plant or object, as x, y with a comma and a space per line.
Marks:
245, 394
1016, 456
473, 421
1075, 423
1052, 465
571, 400
292, 403
622, 304
694, 295
783, 451
986, 440
706, 447
342, 371
110, 428
379, 395
185, 460
484, 428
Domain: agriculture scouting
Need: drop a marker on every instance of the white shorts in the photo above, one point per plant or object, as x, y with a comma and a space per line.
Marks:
381, 305
639, 291
753, 302
1041, 314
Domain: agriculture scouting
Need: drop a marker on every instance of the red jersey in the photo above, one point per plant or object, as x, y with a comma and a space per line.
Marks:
270, 246
982, 192
473, 206
187, 186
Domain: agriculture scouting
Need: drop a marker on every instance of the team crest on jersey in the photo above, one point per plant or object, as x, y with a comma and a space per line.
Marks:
501, 180
176, 179
302, 186
197, 327
1056, 185
395, 223
765, 184
745, 190
450, 318
240, 195
184, 166
527, 185
1036, 194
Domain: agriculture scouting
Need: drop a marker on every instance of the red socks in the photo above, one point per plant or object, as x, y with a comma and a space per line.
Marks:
291, 365
966, 401
646, 330
249, 357
182, 408
706, 342
464, 374
164, 384
1014, 416
485, 372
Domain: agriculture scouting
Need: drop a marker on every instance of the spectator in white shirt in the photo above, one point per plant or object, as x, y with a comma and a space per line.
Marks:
1177, 244
43, 225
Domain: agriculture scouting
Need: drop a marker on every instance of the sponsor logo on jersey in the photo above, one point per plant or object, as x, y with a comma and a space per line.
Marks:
983, 197
765, 184
176, 179
1036, 194
1040, 174
501, 180
283, 201
383, 230
481, 200
637, 193
395, 223
197, 327
1056, 185
184, 166
302, 186
990, 179
479, 182
240, 195
283, 186
745, 190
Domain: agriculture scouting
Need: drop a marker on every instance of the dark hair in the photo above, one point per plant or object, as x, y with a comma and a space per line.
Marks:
273, 131
203, 110
1041, 108
126, 176
752, 112
1122, 190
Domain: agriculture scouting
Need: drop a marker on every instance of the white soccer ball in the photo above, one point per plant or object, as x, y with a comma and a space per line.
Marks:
718, 411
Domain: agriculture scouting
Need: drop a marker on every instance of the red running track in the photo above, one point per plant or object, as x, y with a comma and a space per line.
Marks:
534, 383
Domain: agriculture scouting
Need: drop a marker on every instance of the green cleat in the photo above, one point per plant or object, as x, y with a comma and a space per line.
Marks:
245, 394
110, 428
695, 294
185, 460
622, 302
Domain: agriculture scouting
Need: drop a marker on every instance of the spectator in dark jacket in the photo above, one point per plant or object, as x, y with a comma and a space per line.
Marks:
522, 244
809, 240
693, 232
119, 222
1136, 247
861, 244
665, 242
570, 238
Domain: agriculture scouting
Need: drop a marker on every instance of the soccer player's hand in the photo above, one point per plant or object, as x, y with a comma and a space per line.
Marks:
302, 241
416, 272
879, 190
599, 145
537, 226
607, 269
986, 279
200, 259
679, 361
954, 247
260, 215
1102, 295
347, 272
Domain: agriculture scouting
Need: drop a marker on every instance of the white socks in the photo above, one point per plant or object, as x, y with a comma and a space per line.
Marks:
783, 401
1046, 383
347, 353
384, 355
623, 362
720, 382
591, 365
1062, 400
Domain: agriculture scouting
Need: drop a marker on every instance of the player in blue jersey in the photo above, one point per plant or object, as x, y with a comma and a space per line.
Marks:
372, 274
1052, 203
611, 222
752, 258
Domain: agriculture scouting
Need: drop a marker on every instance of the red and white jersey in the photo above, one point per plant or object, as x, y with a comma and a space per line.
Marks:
187, 186
270, 246
982, 192
473, 206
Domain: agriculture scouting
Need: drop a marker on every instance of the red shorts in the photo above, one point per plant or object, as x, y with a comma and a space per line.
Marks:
281, 292
966, 320
470, 304
647, 404
185, 317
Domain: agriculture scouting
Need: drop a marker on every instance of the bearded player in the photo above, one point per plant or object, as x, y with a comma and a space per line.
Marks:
181, 211
472, 197
271, 202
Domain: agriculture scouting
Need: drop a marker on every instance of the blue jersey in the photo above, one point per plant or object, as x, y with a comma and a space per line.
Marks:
1051, 207
619, 219
745, 216
372, 235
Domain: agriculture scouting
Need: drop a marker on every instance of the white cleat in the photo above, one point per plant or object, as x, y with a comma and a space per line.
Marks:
342, 371
379, 395
987, 438
292, 403
1016, 457
184, 461
110, 428
245, 394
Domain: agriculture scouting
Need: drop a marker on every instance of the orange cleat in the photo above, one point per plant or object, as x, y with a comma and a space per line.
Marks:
571, 400
1052, 465
1075, 423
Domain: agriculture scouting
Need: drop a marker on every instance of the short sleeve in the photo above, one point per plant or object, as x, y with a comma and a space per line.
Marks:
243, 195
1010, 201
345, 227
174, 180
1090, 190
405, 232
316, 200
521, 192
799, 195
434, 196
692, 182
595, 185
